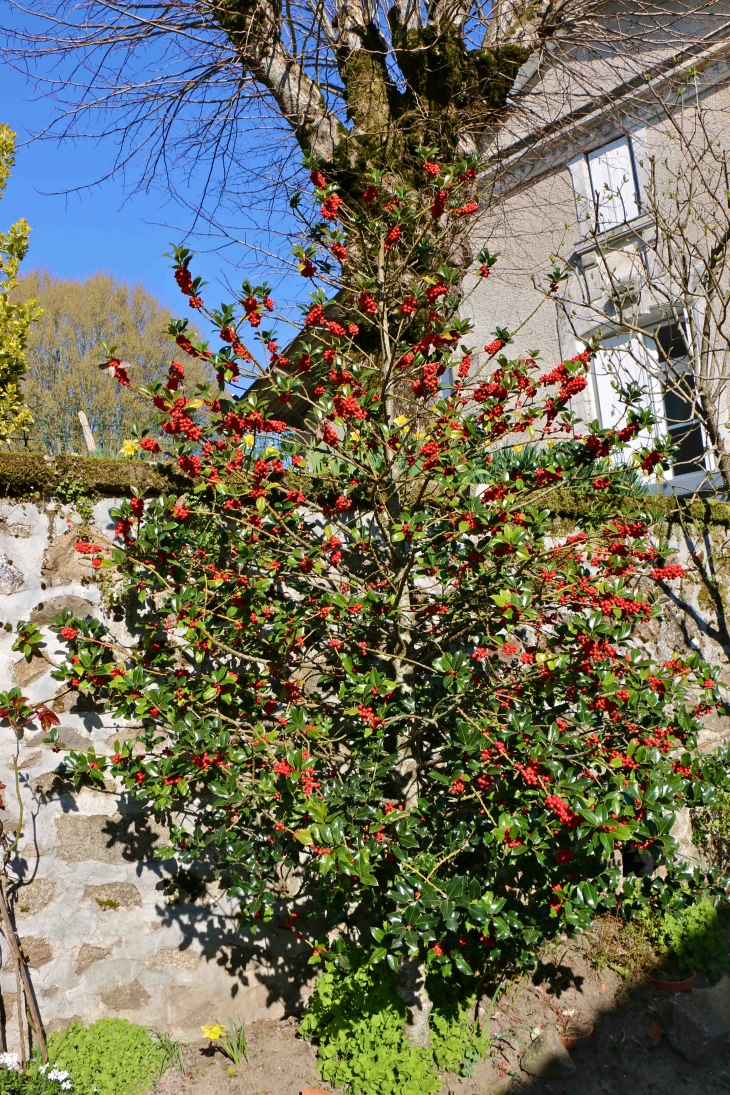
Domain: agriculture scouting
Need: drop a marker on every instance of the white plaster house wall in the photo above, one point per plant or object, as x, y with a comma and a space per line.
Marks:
538, 191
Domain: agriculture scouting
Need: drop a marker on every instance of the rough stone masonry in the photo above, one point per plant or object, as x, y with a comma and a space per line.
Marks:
107, 928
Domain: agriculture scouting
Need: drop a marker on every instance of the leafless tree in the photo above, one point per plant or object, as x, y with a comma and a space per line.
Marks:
212, 86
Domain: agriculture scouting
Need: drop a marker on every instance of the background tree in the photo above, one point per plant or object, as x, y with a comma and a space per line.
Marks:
63, 355
15, 318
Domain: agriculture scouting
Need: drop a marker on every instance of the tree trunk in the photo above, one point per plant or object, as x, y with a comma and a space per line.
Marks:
411, 987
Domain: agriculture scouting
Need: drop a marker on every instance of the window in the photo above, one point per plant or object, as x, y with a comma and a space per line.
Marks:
660, 363
614, 192
624, 358
678, 389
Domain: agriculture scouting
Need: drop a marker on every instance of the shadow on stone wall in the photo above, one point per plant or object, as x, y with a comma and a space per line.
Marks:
197, 905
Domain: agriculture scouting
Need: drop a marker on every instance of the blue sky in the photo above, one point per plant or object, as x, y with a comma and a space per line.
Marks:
105, 226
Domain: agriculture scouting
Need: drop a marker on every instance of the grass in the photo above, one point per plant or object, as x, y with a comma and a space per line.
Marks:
171, 1050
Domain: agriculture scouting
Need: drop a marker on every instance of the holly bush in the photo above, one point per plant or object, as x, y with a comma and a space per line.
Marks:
378, 688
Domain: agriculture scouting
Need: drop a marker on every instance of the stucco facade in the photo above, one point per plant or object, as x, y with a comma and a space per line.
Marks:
549, 205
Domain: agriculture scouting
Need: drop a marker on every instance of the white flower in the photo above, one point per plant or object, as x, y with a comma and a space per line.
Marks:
44, 1068
66, 1085
10, 1061
58, 1074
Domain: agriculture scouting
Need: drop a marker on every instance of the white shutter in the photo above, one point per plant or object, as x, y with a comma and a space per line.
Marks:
581, 179
621, 359
612, 184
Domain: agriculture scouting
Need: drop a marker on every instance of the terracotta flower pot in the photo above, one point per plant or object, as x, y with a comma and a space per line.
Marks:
572, 1041
314, 1091
673, 986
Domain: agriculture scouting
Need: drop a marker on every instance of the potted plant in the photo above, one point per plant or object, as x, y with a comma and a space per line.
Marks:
575, 1032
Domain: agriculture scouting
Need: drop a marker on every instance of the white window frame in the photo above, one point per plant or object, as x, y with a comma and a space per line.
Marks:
605, 398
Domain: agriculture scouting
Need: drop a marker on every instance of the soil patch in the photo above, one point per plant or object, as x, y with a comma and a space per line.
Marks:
626, 1054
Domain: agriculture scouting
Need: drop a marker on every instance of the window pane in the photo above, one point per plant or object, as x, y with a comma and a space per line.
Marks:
612, 183
678, 384
690, 454
672, 341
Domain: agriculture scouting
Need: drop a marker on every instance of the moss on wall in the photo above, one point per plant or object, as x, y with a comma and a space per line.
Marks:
25, 475
702, 512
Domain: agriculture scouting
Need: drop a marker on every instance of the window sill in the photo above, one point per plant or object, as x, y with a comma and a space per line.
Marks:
612, 239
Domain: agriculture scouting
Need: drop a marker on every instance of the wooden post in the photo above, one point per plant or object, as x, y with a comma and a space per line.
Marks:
88, 435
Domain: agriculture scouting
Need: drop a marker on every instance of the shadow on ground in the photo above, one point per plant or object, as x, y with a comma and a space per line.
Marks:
638, 1030
627, 1053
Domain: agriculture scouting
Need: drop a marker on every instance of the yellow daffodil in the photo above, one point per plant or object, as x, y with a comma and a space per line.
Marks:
518, 448
271, 450
248, 439
400, 420
355, 435
129, 448
213, 1031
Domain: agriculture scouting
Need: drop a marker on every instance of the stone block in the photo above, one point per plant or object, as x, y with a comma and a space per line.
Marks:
72, 739
717, 997
693, 1028
89, 954
44, 612
116, 839
124, 733
11, 579
29, 852
35, 896
547, 1058
57, 1026
37, 952
173, 958
52, 785
28, 670
129, 997
114, 895
29, 760
62, 564
17, 529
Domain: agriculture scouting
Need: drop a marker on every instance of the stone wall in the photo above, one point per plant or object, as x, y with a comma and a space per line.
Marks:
107, 928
